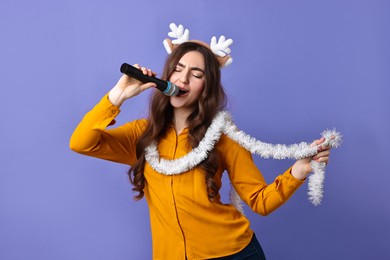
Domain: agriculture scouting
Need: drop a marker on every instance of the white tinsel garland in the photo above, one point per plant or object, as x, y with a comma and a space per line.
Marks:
223, 123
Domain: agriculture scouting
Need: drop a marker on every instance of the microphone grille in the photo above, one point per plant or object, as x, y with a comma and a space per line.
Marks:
172, 89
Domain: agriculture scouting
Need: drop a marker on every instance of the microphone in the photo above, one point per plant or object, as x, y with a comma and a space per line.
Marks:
166, 87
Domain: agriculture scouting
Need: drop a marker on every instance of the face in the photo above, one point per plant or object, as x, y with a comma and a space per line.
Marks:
189, 76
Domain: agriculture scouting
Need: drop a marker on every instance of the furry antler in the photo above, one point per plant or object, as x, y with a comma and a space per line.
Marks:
177, 32
220, 49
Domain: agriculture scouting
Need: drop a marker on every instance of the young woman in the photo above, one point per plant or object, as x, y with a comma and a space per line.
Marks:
188, 220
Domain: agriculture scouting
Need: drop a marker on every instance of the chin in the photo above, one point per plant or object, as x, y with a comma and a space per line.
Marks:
177, 104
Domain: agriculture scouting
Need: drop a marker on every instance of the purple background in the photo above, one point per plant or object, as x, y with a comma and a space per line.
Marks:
299, 67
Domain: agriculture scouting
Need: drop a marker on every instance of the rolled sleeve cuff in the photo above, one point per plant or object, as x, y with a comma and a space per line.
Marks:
108, 112
290, 181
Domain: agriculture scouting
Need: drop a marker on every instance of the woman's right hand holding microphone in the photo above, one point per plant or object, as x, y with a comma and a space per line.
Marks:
128, 87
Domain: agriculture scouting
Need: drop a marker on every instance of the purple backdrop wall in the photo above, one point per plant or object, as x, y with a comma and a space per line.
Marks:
299, 67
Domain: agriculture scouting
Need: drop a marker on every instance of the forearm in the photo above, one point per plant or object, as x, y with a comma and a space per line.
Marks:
275, 194
88, 133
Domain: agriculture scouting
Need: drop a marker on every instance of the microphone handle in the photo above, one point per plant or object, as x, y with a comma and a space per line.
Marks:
165, 86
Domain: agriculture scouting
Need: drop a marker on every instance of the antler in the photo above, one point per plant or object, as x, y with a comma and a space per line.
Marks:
220, 48
179, 33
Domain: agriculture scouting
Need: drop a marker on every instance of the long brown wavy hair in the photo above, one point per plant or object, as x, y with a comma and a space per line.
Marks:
211, 101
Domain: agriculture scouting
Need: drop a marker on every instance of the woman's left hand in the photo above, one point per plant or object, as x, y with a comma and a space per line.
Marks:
302, 167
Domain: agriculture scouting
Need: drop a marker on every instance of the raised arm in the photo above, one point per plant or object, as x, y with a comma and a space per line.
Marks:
91, 136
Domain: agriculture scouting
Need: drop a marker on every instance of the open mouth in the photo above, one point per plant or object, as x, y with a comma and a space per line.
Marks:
182, 92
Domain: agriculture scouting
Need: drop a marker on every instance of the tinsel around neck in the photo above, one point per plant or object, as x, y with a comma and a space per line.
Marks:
223, 124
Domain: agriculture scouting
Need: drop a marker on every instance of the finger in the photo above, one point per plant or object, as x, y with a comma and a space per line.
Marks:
323, 153
320, 141
325, 147
147, 85
317, 142
144, 70
322, 160
151, 73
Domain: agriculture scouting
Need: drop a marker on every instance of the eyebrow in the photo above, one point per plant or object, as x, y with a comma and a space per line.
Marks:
192, 68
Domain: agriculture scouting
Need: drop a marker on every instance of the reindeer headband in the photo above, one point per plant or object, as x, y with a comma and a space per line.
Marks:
220, 49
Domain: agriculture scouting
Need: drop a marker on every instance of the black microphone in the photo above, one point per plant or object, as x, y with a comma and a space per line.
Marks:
166, 87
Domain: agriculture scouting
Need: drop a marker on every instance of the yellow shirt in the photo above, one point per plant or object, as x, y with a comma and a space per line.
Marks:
184, 223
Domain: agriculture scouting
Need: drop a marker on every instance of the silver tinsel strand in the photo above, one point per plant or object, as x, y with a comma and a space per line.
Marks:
223, 123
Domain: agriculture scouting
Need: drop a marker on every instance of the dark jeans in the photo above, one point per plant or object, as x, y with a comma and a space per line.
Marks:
253, 251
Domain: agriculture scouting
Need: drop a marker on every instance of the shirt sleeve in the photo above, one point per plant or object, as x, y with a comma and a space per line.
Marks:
250, 184
93, 139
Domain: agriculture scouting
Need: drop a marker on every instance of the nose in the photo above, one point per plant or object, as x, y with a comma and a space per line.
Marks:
184, 77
